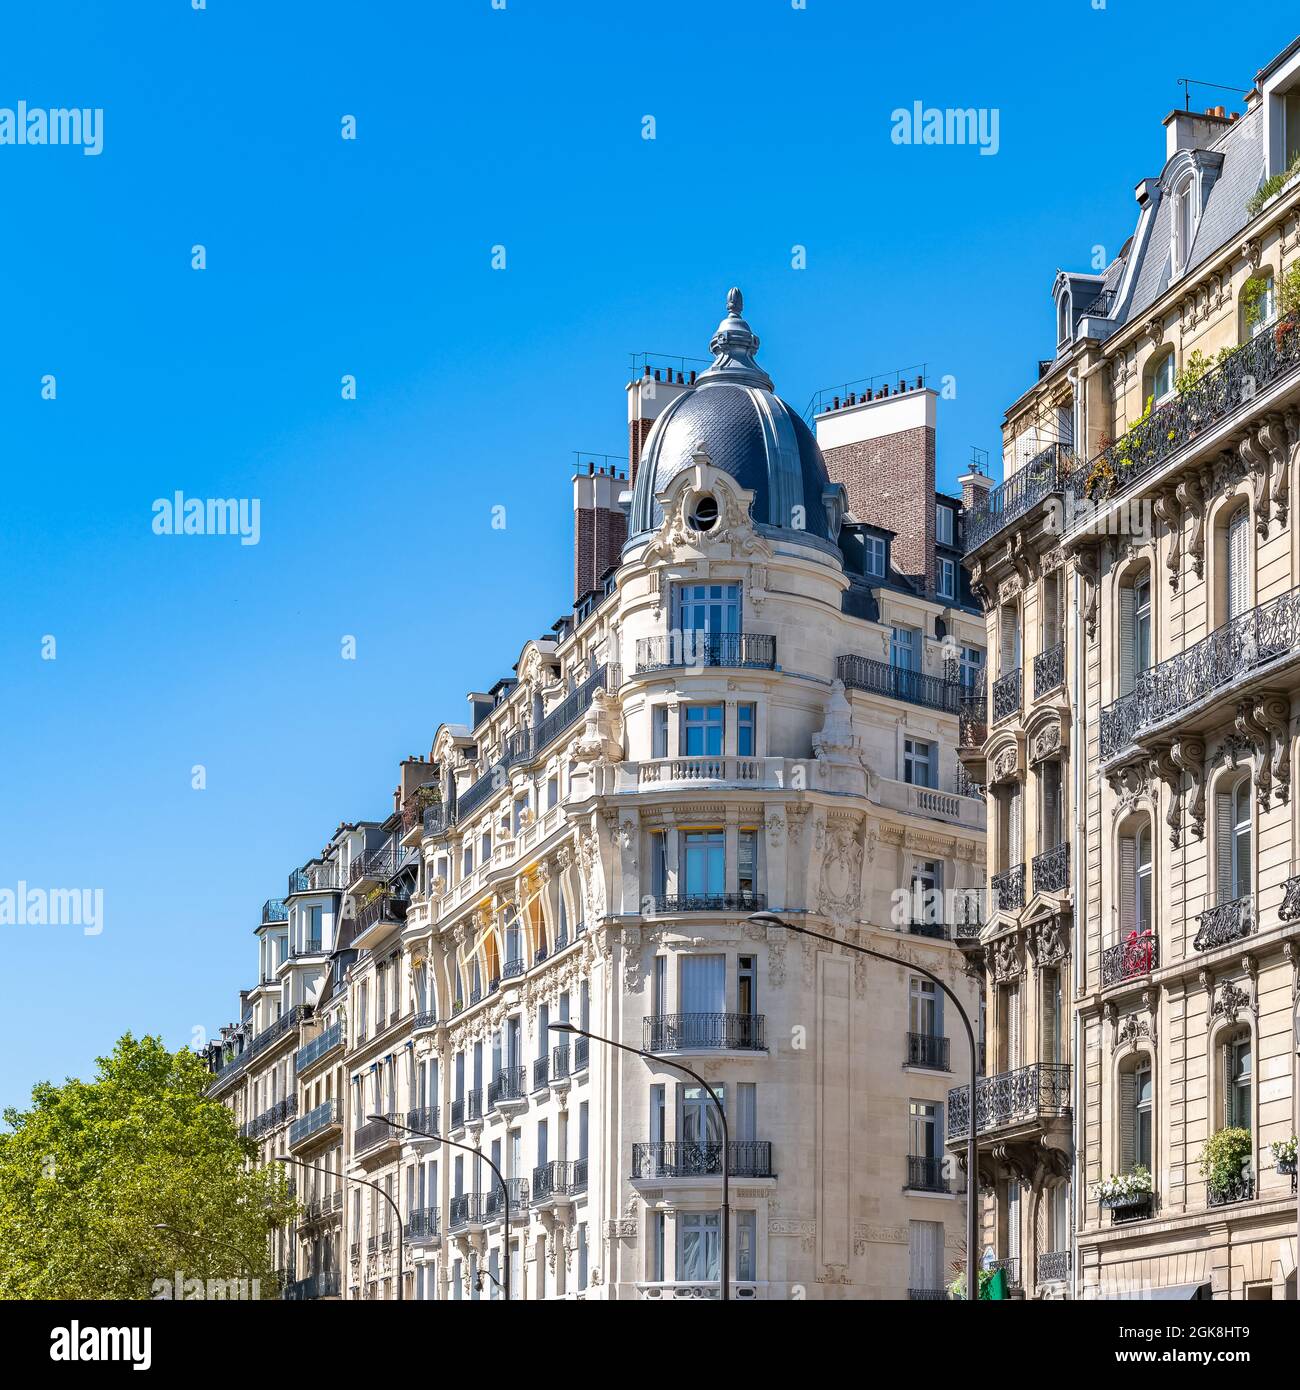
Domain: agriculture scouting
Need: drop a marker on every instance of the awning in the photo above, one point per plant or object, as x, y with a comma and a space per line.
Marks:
1167, 1293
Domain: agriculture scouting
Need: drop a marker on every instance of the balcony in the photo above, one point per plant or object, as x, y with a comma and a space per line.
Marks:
1009, 889
1130, 1206
1011, 1268
541, 1074
1054, 1267
317, 877
661, 772
925, 1174
465, 1210
1006, 696
688, 1159
928, 1295
683, 650
326, 1284
703, 1033
745, 901
494, 1202
1011, 1099
1139, 955
1236, 383
425, 1019
559, 1064
1052, 870
1240, 1190
554, 1183
274, 910
421, 1225
1211, 667
324, 1208
972, 719
373, 1135
325, 1116
270, 1119
1224, 924
581, 1053
437, 818
508, 1089
1045, 475
1049, 670
467, 1111
896, 683
384, 907
320, 1046
927, 1050
423, 1118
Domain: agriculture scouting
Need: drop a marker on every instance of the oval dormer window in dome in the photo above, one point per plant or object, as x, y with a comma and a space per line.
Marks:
704, 513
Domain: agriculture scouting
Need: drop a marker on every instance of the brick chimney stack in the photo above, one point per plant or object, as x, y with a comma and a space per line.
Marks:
880, 445
599, 525
647, 395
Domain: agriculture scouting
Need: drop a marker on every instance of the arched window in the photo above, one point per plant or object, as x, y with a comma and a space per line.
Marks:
1232, 840
1063, 319
1136, 1115
1258, 304
1134, 629
1237, 1062
1236, 588
1159, 378
1183, 225
1136, 903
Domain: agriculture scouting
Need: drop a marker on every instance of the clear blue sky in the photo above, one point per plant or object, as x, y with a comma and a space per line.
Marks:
475, 127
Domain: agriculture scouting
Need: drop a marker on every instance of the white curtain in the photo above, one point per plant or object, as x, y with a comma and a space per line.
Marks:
703, 982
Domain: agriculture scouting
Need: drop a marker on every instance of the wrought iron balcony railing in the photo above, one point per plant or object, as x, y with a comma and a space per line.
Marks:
1225, 923
1053, 1266
703, 1032
1052, 870
581, 1053
423, 1118
1241, 1189
552, 1180
560, 1062
1011, 1098
1006, 696
1010, 1267
1211, 666
385, 907
494, 1202
1138, 955
465, 1209
686, 1159
897, 683
326, 1284
926, 1174
936, 931
743, 901
1009, 889
972, 717
1049, 669
328, 1113
928, 1050
320, 877
271, 1118
1046, 474
319, 1046
675, 650
508, 1085
274, 910
1290, 909
541, 1074
422, 1224
373, 1133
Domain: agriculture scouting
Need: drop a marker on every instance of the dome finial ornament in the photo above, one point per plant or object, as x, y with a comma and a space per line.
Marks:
733, 346
735, 301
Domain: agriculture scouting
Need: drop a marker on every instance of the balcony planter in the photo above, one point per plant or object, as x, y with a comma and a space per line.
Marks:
1126, 1194
1284, 1153
1225, 1164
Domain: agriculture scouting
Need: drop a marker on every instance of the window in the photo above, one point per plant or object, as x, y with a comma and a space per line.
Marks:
1135, 1116
874, 556
697, 1120
1160, 377
467, 862
919, 763
1238, 1078
943, 524
1049, 805
747, 878
1232, 832
314, 928
655, 1251
1290, 129
747, 986
1051, 610
746, 746
552, 791
1238, 557
925, 1256
1049, 987
1259, 306
582, 1255
699, 1245
702, 731
927, 894
707, 607
1184, 224
1136, 907
1008, 639
926, 1139
1063, 319
746, 1245
947, 578
659, 731
658, 864
904, 644
703, 862
701, 984
972, 667
925, 1008
1134, 631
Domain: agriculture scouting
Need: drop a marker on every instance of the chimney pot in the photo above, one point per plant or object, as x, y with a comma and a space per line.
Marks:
658, 377
645, 371
692, 376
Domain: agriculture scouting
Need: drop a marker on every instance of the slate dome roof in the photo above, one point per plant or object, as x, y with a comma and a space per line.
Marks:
747, 431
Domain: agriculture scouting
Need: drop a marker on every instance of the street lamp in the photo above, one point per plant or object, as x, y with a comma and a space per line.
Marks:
505, 1191
244, 1262
672, 1065
365, 1182
770, 919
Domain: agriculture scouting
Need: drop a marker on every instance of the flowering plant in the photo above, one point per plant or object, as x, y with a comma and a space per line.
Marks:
1120, 1187
1284, 1154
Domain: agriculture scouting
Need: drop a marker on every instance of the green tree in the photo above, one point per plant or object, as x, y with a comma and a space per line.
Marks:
111, 1184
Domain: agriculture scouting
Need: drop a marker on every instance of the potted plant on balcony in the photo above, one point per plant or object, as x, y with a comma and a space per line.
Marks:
1284, 1154
1123, 1191
1225, 1162
1139, 947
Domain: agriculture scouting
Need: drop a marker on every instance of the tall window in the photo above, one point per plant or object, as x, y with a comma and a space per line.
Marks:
919, 762
708, 607
1160, 377
746, 746
1238, 1079
1008, 639
1051, 609
1135, 1116
1232, 833
703, 857
747, 986
972, 667
904, 648
746, 866
1184, 224
701, 984
1236, 587
1134, 631
925, 1126
943, 524
1051, 1012
1049, 806
927, 892
699, 1246
925, 1008
659, 731
1136, 906
947, 578
746, 1245
702, 731
697, 1121
874, 556
926, 1271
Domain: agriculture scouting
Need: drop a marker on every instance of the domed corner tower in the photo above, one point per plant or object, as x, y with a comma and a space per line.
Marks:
735, 420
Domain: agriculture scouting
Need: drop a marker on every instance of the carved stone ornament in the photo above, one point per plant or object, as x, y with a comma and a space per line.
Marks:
1128, 1033
1007, 961
1046, 742
840, 897
1049, 940
1229, 1003
601, 739
1005, 765
836, 741
732, 534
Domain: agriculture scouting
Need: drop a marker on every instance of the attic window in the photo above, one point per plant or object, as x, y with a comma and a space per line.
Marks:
705, 514
1183, 226
1063, 319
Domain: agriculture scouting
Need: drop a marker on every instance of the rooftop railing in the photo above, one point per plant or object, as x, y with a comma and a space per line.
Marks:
1046, 474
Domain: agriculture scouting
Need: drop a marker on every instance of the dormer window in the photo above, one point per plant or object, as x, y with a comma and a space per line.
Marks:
1184, 223
1063, 319
874, 556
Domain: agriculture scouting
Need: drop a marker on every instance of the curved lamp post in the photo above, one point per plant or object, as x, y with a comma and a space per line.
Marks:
770, 919
505, 1192
671, 1065
365, 1182
244, 1262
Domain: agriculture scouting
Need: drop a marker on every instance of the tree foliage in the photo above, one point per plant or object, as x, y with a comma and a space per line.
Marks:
111, 1184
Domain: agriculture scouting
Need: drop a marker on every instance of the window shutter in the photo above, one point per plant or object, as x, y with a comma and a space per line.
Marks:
933, 759
1013, 1027
1229, 1090
1127, 884
1127, 1121
1051, 609
1241, 840
1238, 538
1127, 638
1007, 640
1051, 805
1223, 846
1146, 919
1015, 851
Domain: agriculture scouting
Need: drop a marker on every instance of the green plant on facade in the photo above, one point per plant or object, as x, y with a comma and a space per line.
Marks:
1226, 1158
1288, 292
1271, 186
